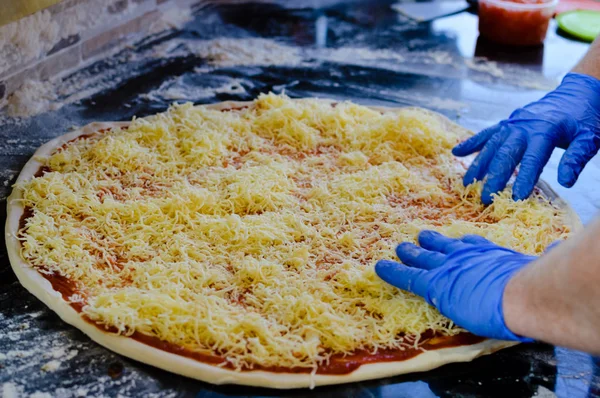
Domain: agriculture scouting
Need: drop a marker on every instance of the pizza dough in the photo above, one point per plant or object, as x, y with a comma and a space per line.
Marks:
169, 360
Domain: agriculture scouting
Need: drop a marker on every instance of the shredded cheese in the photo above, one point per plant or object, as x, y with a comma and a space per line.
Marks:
252, 234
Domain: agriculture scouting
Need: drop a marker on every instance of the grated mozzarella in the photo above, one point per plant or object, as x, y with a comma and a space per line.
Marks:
252, 234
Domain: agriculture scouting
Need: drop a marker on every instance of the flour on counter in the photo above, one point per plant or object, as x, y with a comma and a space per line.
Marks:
510, 74
233, 52
35, 97
352, 54
440, 57
413, 99
28, 349
35, 314
481, 64
51, 366
11, 390
27, 39
534, 83
31, 98
543, 392
39, 394
35, 364
62, 353
33, 36
177, 89
173, 18
20, 354
445, 103
230, 52
7, 177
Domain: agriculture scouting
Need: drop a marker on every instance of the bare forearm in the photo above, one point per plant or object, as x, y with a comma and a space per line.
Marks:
590, 63
556, 299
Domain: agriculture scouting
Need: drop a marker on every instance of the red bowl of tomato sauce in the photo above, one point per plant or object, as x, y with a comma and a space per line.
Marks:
515, 22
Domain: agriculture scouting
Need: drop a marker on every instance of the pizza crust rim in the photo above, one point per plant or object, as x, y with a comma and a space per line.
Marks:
41, 288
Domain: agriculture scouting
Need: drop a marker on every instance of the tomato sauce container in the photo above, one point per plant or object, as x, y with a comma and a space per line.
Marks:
515, 23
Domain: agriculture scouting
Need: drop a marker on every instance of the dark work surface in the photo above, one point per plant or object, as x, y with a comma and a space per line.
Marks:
399, 63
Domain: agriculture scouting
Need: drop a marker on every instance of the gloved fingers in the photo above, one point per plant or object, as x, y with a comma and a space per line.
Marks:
476, 142
535, 158
478, 168
579, 152
401, 276
475, 240
503, 164
417, 257
437, 242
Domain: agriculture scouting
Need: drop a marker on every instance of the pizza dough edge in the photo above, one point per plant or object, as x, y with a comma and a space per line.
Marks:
42, 289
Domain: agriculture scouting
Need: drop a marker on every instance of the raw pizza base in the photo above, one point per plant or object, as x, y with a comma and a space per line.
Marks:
40, 287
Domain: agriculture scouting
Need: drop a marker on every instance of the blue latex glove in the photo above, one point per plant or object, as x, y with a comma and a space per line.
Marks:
568, 118
464, 279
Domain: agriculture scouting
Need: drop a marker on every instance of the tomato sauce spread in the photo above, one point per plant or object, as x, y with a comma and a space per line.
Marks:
515, 22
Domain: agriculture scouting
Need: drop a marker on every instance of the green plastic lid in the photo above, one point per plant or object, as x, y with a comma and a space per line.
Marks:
583, 24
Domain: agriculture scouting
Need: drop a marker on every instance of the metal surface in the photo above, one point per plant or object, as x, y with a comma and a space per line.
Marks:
408, 64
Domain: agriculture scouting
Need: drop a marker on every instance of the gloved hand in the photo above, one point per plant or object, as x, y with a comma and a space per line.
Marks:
568, 118
464, 279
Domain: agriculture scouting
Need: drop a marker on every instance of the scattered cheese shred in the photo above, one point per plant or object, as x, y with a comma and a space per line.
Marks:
253, 233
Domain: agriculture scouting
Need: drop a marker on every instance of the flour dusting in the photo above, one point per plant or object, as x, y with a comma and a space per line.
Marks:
481, 64
351, 54
177, 89
40, 394
31, 98
173, 18
36, 97
446, 104
34, 361
230, 52
543, 392
32, 37
51, 366
510, 74
11, 390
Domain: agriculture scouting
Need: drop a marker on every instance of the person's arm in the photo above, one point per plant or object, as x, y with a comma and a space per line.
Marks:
568, 118
590, 63
499, 293
557, 298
